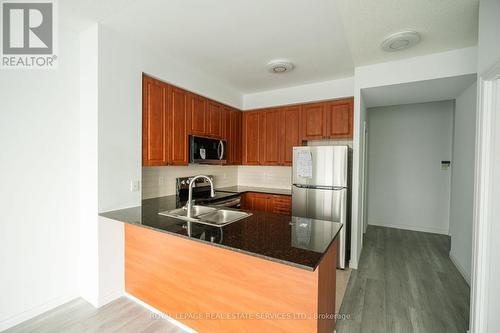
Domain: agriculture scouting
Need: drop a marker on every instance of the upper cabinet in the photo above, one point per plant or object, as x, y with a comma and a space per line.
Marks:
197, 109
164, 135
214, 117
251, 138
269, 135
327, 120
313, 119
177, 126
171, 114
155, 147
339, 117
289, 125
260, 137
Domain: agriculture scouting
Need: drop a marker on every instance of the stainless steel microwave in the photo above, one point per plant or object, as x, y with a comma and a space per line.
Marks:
204, 150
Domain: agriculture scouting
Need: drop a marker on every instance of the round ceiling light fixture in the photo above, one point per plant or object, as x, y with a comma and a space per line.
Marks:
400, 41
279, 66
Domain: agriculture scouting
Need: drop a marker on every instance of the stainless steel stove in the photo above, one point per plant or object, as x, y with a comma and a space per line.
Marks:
201, 193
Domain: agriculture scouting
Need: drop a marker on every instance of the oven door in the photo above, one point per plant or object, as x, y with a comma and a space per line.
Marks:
204, 150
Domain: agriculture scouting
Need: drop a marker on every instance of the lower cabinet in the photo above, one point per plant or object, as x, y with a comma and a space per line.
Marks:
271, 203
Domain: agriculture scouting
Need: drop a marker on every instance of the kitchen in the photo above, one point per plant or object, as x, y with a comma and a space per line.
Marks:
342, 177
182, 129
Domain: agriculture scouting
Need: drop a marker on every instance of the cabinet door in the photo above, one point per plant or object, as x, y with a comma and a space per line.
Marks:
289, 133
262, 202
282, 204
339, 119
154, 122
269, 135
214, 116
178, 126
226, 133
236, 136
251, 138
197, 116
313, 121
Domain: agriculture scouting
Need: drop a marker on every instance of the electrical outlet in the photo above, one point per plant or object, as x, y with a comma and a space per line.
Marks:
134, 186
161, 181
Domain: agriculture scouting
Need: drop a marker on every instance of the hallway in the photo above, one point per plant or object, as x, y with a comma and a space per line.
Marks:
405, 282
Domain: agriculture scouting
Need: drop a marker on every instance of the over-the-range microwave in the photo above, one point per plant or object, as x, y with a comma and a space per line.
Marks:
203, 150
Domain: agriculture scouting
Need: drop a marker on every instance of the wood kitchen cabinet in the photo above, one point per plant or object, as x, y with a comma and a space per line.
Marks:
339, 117
197, 114
214, 116
269, 137
263, 202
155, 145
177, 121
232, 134
164, 135
251, 138
327, 120
289, 125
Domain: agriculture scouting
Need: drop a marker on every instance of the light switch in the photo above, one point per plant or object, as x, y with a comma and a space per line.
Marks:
134, 186
445, 165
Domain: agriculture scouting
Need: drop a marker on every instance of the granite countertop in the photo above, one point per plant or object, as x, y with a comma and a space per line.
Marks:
243, 189
295, 241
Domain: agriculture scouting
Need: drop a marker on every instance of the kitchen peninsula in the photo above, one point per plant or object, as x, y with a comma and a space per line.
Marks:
265, 273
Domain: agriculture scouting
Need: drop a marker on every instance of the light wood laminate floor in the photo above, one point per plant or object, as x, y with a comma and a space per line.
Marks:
405, 282
78, 316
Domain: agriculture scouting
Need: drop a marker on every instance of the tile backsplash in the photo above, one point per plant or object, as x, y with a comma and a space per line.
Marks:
160, 181
265, 176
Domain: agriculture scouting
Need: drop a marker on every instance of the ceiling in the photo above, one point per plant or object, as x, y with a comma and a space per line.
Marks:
418, 92
233, 40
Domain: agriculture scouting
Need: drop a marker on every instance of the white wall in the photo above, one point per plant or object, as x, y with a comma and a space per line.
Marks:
462, 180
333, 89
39, 192
406, 187
429, 67
121, 62
489, 26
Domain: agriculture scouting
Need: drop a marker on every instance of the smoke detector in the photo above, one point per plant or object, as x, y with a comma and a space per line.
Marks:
400, 41
279, 66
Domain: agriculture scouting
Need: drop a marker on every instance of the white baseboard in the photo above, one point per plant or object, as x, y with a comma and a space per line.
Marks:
412, 228
110, 297
459, 268
160, 313
16, 319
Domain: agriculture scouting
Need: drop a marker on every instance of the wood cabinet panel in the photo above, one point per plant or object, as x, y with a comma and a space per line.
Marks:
313, 119
158, 275
154, 140
197, 108
340, 119
289, 133
236, 136
178, 121
271, 203
269, 135
251, 138
214, 117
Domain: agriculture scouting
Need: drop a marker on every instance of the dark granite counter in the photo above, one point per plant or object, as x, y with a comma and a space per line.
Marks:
243, 189
299, 242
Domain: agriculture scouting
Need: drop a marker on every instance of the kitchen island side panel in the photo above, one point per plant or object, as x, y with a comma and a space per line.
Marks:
187, 279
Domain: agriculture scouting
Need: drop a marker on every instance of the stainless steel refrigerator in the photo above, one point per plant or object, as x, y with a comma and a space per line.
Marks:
320, 188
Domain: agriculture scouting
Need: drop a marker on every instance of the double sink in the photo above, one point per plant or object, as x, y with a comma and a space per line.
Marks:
207, 215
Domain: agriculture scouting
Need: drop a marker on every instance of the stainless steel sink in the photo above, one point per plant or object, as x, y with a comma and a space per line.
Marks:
207, 215
182, 212
222, 217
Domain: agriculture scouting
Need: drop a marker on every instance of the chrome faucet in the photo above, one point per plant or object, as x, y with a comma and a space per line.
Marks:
189, 203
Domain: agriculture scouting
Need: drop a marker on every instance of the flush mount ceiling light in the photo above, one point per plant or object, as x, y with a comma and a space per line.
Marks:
400, 41
279, 66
